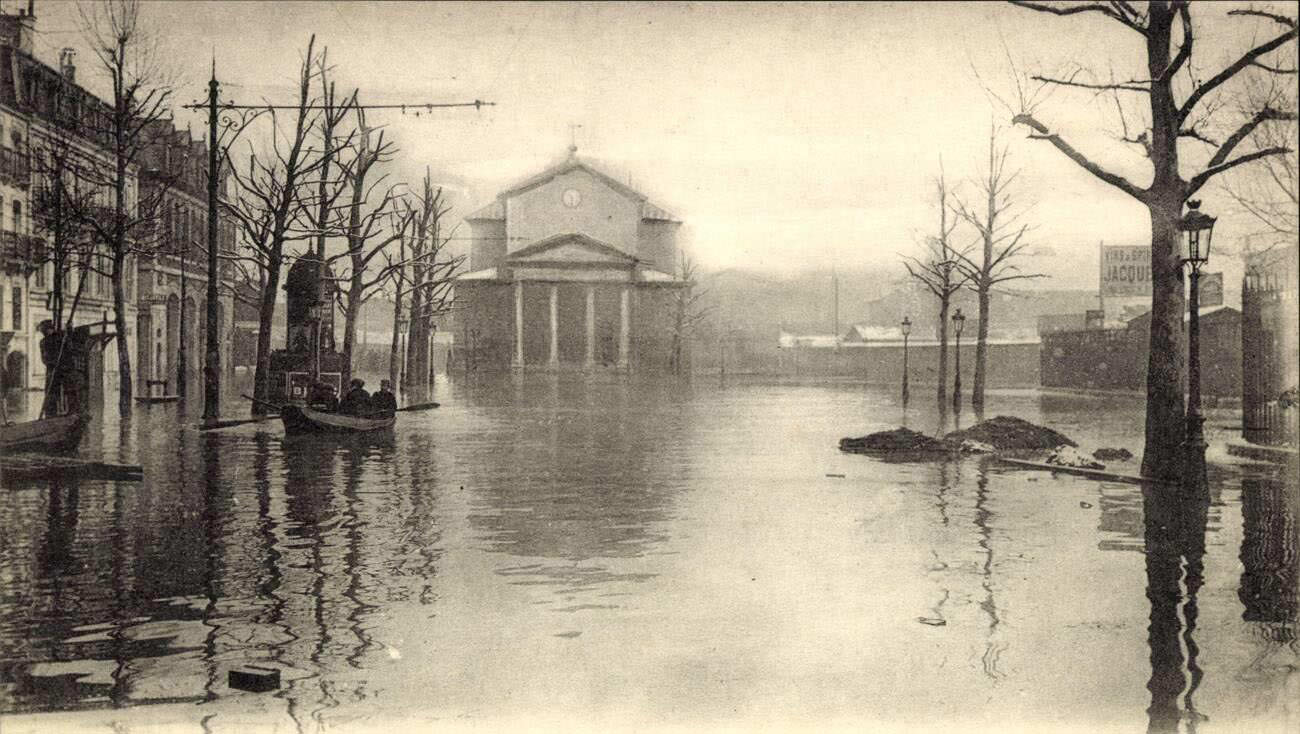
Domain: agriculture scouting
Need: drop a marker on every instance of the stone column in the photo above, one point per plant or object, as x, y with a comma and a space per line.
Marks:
518, 361
591, 326
555, 325
624, 327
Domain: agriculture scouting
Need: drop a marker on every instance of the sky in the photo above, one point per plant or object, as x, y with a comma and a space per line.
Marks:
786, 136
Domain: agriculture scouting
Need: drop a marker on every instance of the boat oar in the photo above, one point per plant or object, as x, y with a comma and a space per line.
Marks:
241, 422
417, 406
261, 402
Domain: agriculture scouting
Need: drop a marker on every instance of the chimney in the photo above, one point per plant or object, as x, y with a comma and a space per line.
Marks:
18, 31
66, 67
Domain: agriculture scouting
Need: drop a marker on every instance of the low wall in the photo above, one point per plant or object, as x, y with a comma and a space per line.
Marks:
1009, 365
1116, 359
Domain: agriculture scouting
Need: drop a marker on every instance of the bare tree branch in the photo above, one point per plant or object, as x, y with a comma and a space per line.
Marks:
1113, 179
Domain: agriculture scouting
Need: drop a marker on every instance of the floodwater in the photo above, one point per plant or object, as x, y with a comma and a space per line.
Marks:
550, 553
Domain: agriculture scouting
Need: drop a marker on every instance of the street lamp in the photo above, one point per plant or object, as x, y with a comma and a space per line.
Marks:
1199, 228
403, 323
958, 321
907, 331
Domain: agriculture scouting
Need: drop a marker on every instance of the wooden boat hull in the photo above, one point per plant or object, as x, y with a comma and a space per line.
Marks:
299, 419
58, 434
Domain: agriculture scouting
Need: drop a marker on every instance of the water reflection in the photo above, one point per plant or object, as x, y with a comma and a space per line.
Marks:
994, 646
1269, 590
661, 531
567, 487
1175, 521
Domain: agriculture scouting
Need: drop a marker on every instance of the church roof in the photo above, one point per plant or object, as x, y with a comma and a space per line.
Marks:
589, 243
497, 210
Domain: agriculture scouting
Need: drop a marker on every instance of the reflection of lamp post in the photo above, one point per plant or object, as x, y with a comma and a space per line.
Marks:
180, 350
907, 331
958, 321
1194, 223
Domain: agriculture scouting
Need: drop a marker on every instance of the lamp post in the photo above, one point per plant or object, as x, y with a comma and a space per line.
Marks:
1199, 228
958, 321
403, 323
906, 326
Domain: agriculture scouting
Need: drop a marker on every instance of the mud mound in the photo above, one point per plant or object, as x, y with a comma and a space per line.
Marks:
899, 439
1005, 433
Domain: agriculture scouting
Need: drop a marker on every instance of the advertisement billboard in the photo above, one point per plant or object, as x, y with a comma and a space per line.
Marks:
1125, 270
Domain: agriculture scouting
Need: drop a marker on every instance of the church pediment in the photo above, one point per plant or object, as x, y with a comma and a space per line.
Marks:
571, 248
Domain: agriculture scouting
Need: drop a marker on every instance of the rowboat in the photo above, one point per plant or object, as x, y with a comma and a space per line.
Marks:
56, 434
300, 419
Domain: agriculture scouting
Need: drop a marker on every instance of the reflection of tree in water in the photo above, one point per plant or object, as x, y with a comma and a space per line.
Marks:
353, 565
1175, 522
994, 646
418, 547
1270, 508
943, 484
90, 567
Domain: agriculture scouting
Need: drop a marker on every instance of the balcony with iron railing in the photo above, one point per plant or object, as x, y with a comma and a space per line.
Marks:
22, 250
14, 167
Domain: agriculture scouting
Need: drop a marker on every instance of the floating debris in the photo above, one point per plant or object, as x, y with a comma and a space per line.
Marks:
932, 621
1070, 456
254, 678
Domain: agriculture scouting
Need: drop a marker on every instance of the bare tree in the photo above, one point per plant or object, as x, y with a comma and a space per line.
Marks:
689, 312
366, 226
1002, 236
1269, 191
395, 290
430, 277
1182, 104
329, 187
128, 54
940, 273
61, 204
271, 207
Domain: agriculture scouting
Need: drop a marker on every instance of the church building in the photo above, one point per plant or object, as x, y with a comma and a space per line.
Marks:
569, 269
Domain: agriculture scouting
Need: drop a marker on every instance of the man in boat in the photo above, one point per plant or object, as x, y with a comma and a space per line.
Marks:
323, 398
357, 400
53, 346
383, 404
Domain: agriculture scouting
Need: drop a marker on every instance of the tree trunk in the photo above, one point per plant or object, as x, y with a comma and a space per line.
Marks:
1164, 413
982, 339
412, 331
123, 348
1165, 196
265, 317
943, 351
350, 315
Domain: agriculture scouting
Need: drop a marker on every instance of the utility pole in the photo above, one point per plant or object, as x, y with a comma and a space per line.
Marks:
212, 362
